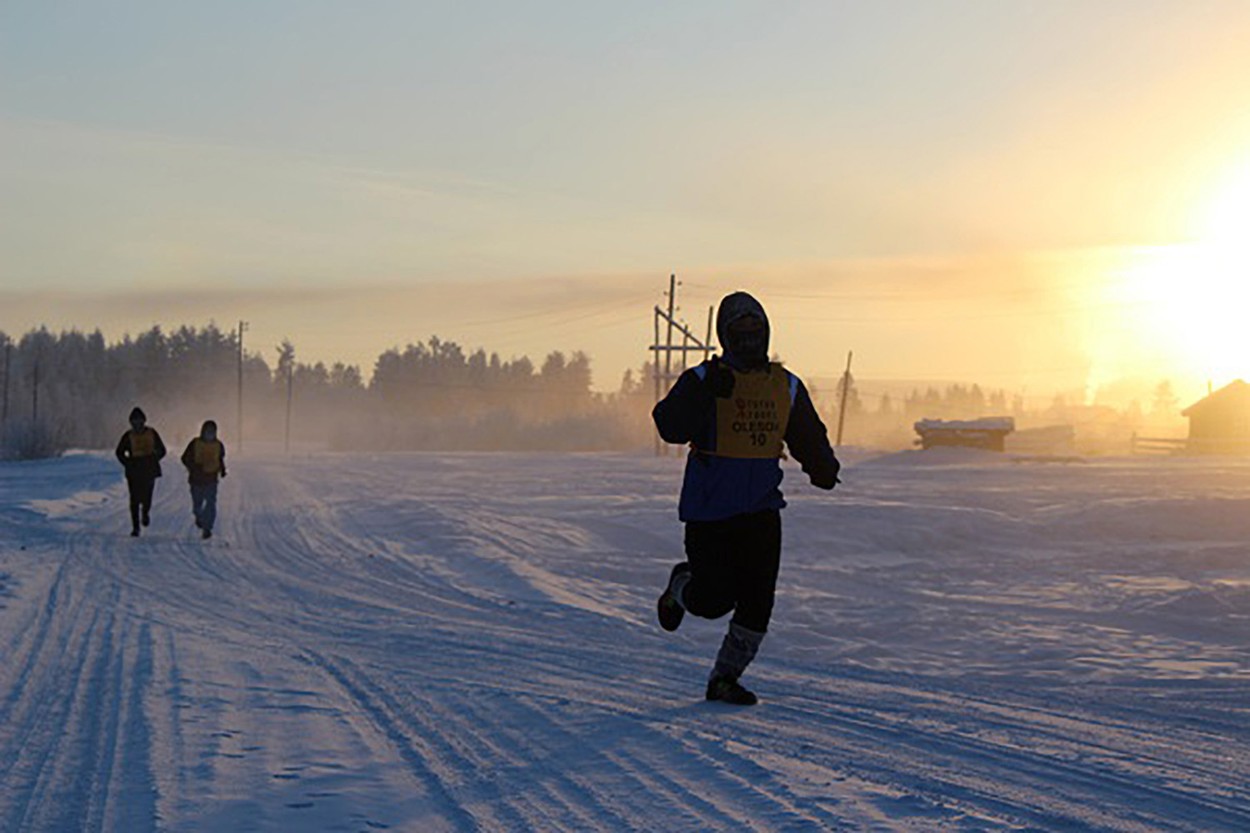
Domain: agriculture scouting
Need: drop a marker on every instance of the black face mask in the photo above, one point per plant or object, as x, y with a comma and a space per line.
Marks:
751, 347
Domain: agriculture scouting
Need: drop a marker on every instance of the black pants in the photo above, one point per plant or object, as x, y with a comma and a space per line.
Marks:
733, 566
140, 496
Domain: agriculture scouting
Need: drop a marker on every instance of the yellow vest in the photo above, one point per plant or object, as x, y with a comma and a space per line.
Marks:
142, 443
207, 454
751, 424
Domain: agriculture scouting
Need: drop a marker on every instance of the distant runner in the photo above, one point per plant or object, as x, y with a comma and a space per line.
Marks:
737, 411
140, 451
205, 459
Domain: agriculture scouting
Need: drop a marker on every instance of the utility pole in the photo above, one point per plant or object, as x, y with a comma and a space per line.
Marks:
846, 389
690, 343
238, 423
4, 414
668, 340
655, 374
290, 385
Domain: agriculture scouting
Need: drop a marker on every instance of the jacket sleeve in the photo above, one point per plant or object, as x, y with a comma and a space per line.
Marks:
160, 446
123, 450
223, 457
188, 456
684, 413
808, 442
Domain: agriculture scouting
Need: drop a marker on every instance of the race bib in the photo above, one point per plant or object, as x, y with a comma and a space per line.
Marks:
142, 443
751, 423
208, 456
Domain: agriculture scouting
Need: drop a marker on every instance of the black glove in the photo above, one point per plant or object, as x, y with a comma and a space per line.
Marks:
720, 379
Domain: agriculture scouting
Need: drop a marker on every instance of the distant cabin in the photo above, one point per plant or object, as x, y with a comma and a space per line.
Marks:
1220, 423
989, 433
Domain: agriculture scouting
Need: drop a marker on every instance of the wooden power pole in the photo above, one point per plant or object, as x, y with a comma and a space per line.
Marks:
4, 414
846, 390
238, 423
290, 386
690, 343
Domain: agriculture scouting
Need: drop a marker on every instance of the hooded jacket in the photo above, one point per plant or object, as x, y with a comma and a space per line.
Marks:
205, 461
140, 452
718, 487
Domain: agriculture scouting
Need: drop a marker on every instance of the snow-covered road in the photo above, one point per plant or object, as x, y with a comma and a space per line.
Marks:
466, 642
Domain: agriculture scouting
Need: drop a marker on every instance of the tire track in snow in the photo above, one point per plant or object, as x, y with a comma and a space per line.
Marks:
754, 786
384, 715
568, 765
53, 758
550, 794
37, 628
32, 726
1044, 789
95, 774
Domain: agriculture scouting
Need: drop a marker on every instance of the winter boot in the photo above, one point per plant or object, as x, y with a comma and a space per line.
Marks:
147, 517
729, 690
206, 534
134, 532
669, 607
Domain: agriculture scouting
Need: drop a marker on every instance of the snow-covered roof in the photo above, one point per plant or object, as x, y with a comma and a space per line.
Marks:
997, 424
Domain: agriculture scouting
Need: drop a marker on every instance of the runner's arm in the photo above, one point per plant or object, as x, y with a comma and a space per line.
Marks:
808, 442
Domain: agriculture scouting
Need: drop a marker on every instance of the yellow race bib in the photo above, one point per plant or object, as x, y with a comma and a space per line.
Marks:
751, 424
208, 456
142, 443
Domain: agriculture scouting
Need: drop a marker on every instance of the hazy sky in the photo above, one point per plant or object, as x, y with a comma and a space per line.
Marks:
938, 185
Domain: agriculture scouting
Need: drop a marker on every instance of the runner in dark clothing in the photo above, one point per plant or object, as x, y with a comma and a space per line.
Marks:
205, 459
737, 411
140, 451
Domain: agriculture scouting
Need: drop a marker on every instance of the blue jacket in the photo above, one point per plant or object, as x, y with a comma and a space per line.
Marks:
714, 487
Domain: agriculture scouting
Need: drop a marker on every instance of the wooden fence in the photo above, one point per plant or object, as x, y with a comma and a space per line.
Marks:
1182, 445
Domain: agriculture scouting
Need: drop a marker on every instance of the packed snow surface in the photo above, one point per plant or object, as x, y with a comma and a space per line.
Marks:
467, 642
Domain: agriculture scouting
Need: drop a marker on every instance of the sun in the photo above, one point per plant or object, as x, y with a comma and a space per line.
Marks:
1226, 219
1182, 308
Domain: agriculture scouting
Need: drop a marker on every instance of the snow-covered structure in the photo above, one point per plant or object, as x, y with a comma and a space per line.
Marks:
989, 433
1220, 423
1046, 440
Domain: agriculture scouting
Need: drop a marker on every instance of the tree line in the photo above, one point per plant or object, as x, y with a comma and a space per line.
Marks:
74, 389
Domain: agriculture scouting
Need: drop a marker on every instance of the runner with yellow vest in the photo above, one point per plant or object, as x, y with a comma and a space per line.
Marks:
140, 451
738, 412
205, 459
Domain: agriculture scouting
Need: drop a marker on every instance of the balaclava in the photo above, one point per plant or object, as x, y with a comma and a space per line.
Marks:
746, 350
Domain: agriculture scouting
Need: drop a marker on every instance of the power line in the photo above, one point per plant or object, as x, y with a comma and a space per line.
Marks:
576, 307
993, 316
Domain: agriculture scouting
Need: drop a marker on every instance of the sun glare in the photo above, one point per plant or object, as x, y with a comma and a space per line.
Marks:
1226, 220
1187, 304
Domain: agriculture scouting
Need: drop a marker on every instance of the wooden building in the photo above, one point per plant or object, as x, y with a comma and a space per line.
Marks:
1220, 423
988, 433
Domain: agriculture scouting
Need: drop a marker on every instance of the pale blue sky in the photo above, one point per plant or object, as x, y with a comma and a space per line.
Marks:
168, 147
